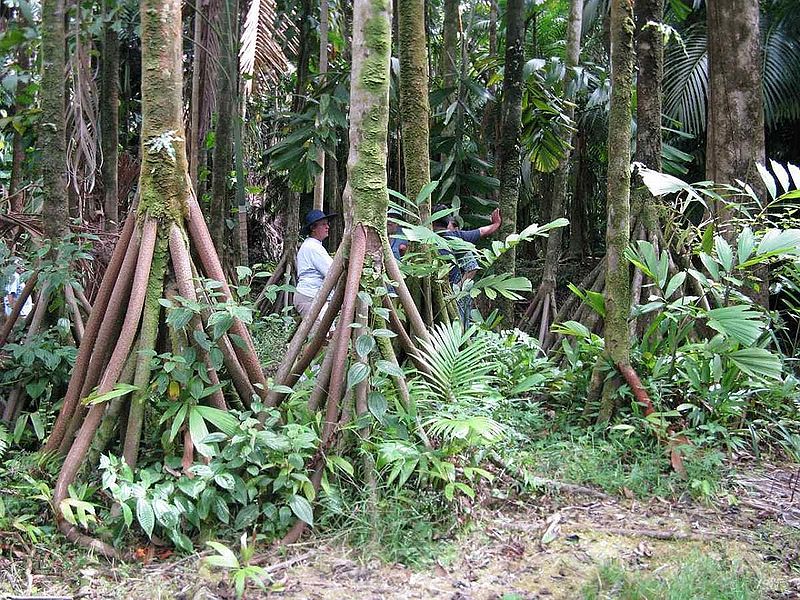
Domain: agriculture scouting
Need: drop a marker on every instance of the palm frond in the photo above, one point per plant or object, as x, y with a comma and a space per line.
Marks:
5, 439
781, 76
459, 366
686, 80
261, 56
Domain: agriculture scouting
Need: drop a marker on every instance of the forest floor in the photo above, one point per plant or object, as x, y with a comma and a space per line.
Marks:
574, 543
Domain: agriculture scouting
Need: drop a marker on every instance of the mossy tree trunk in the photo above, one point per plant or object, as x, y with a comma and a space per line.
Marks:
154, 248
414, 107
55, 207
542, 309
508, 150
451, 25
370, 258
619, 177
617, 277
109, 118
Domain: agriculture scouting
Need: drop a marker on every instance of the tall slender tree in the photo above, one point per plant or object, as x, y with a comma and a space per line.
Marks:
153, 248
735, 130
617, 295
370, 257
543, 308
109, 116
508, 148
319, 182
226, 114
55, 208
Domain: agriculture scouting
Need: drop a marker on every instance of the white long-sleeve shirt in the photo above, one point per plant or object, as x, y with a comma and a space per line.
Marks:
313, 262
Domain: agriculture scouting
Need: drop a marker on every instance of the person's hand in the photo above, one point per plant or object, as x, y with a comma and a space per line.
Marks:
496, 219
403, 248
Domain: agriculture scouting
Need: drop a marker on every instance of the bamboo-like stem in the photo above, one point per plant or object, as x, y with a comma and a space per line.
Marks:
87, 347
148, 335
401, 385
341, 337
210, 259
101, 332
77, 320
316, 342
84, 301
182, 267
412, 313
77, 452
362, 409
321, 384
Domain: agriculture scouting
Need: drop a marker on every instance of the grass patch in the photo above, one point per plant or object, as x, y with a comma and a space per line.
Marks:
617, 463
410, 529
698, 576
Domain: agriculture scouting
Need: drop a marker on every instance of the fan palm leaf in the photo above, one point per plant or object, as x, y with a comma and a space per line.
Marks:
686, 80
781, 77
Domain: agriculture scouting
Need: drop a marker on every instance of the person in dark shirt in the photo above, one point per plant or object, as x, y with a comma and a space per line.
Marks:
465, 265
447, 229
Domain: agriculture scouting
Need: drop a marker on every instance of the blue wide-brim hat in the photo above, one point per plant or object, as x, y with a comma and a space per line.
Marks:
315, 215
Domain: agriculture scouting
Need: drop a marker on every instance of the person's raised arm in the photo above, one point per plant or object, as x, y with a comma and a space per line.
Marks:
495, 225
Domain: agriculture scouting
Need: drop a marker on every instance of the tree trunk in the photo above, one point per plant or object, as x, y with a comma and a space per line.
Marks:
55, 207
109, 120
226, 113
414, 108
508, 147
735, 139
200, 59
617, 296
319, 183
545, 295
448, 67
17, 146
154, 246
365, 243
735, 131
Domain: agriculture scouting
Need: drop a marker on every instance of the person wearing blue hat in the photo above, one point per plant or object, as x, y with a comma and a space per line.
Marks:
313, 261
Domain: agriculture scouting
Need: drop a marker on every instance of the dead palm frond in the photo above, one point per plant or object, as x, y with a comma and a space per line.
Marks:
261, 57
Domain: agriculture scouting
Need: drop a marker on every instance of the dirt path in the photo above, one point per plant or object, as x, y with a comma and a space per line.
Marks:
540, 548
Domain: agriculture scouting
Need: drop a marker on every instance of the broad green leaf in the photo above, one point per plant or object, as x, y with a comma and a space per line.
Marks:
738, 322
225, 481
377, 404
389, 368
724, 253
674, 283
365, 343
357, 373
119, 390
302, 509
222, 420
746, 244
757, 362
145, 516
